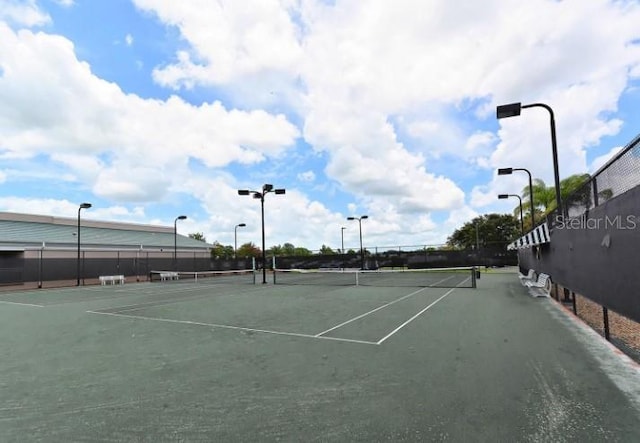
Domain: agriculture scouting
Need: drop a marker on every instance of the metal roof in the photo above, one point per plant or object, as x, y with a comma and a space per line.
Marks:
56, 232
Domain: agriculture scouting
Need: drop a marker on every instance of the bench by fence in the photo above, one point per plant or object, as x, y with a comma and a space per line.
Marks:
531, 276
169, 276
111, 279
541, 287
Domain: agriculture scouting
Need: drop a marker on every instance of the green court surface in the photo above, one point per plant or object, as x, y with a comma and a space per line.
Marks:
187, 361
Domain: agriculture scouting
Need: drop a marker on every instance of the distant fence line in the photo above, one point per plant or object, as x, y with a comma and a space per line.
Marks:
44, 265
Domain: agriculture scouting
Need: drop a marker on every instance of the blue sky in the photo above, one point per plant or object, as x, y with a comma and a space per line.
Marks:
150, 109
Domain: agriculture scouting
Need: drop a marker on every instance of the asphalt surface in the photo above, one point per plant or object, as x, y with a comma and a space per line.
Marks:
270, 363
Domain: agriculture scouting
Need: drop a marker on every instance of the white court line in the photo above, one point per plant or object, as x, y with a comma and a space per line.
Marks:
414, 317
21, 304
370, 312
239, 328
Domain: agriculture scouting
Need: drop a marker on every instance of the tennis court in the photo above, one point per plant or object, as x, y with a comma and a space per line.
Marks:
223, 359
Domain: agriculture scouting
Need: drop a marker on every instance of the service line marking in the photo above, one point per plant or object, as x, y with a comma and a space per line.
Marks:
370, 312
414, 317
238, 328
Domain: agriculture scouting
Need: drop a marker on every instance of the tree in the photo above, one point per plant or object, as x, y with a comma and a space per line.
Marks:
221, 251
198, 236
302, 252
544, 197
488, 230
288, 250
249, 250
326, 250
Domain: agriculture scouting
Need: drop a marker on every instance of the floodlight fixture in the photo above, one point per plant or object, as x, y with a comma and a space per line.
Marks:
266, 188
510, 110
513, 110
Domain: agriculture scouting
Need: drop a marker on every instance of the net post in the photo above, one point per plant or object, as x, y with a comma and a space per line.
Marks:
473, 277
357, 278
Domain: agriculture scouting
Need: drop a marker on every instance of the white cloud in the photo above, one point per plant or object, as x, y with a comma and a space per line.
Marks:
53, 105
23, 12
381, 90
128, 39
229, 39
307, 176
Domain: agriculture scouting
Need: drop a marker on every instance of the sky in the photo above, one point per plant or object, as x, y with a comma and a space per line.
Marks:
151, 109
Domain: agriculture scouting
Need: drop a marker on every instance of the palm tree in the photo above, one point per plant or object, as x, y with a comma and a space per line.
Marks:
544, 197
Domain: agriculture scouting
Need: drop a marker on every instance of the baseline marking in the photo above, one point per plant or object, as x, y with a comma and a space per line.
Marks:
238, 328
414, 317
370, 312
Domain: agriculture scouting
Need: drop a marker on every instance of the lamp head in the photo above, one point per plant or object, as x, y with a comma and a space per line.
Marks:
505, 171
351, 218
182, 217
503, 196
243, 192
242, 225
510, 110
267, 188
280, 191
363, 217
85, 205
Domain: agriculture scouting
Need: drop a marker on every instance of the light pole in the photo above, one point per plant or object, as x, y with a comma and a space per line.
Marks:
235, 238
82, 206
512, 110
361, 248
342, 239
509, 171
266, 188
503, 196
175, 240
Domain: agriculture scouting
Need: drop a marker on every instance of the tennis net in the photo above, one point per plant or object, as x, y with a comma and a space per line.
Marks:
434, 277
235, 276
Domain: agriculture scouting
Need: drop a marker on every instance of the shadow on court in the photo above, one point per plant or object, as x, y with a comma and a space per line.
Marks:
197, 362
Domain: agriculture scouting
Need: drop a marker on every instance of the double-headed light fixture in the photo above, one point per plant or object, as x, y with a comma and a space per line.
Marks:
266, 188
363, 217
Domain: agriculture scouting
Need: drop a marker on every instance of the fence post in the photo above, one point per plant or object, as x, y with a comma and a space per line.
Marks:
605, 315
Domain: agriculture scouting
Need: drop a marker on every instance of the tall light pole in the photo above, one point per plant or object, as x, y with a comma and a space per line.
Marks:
513, 110
503, 196
82, 206
509, 171
361, 248
266, 188
175, 240
342, 245
235, 239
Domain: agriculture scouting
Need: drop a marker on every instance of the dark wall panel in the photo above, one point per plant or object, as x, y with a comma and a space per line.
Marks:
597, 255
